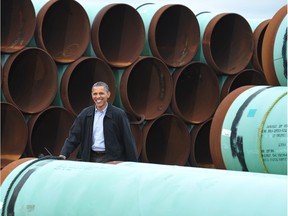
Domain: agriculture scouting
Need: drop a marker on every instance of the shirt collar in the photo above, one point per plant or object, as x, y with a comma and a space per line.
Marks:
103, 111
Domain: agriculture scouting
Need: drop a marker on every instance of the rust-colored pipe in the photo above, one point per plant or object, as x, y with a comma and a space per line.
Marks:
18, 21
269, 44
228, 43
14, 133
48, 131
172, 33
30, 80
166, 140
62, 29
78, 78
258, 36
196, 92
216, 126
146, 88
245, 77
117, 34
200, 155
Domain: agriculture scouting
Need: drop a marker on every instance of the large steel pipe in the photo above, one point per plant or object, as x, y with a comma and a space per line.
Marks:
245, 77
166, 140
53, 187
18, 21
78, 78
117, 34
30, 80
200, 155
261, 147
62, 29
274, 49
172, 33
196, 92
145, 88
227, 42
48, 131
14, 133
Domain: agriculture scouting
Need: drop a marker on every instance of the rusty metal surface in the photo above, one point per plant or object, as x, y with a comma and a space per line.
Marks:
228, 43
30, 80
14, 133
258, 36
196, 92
118, 34
48, 131
174, 35
146, 88
200, 155
18, 21
78, 79
216, 126
245, 77
166, 140
63, 30
268, 46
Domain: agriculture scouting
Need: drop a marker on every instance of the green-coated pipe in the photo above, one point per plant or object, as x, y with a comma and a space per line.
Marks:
62, 29
30, 79
18, 21
172, 33
254, 131
49, 187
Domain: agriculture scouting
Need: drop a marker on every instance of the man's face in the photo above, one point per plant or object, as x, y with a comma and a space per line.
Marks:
100, 96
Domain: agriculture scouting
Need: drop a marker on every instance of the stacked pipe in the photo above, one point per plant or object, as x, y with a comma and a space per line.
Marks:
172, 71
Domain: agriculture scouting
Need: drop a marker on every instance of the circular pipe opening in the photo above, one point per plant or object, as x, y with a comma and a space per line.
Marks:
268, 46
166, 140
18, 21
245, 77
146, 88
78, 80
196, 92
118, 34
174, 35
228, 43
30, 80
216, 126
258, 36
48, 131
63, 30
200, 155
14, 133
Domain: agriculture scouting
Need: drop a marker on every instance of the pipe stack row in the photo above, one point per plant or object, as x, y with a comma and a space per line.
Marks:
171, 70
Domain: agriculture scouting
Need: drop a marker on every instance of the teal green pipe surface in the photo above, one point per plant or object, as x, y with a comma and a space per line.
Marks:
280, 53
49, 187
254, 131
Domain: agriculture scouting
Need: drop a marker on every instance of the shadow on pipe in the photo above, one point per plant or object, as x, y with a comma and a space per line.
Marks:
228, 43
166, 140
63, 30
245, 77
48, 131
18, 21
258, 36
172, 33
196, 92
200, 155
78, 79
30, 80
14, 133
118, 35
146, 88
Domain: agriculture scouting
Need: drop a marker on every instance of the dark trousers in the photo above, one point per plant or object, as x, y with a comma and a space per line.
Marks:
97, 156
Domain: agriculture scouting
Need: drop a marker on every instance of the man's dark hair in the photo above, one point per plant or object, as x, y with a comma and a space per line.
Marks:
100, 83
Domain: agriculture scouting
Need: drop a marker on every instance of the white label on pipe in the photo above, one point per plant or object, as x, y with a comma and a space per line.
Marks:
226, 132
